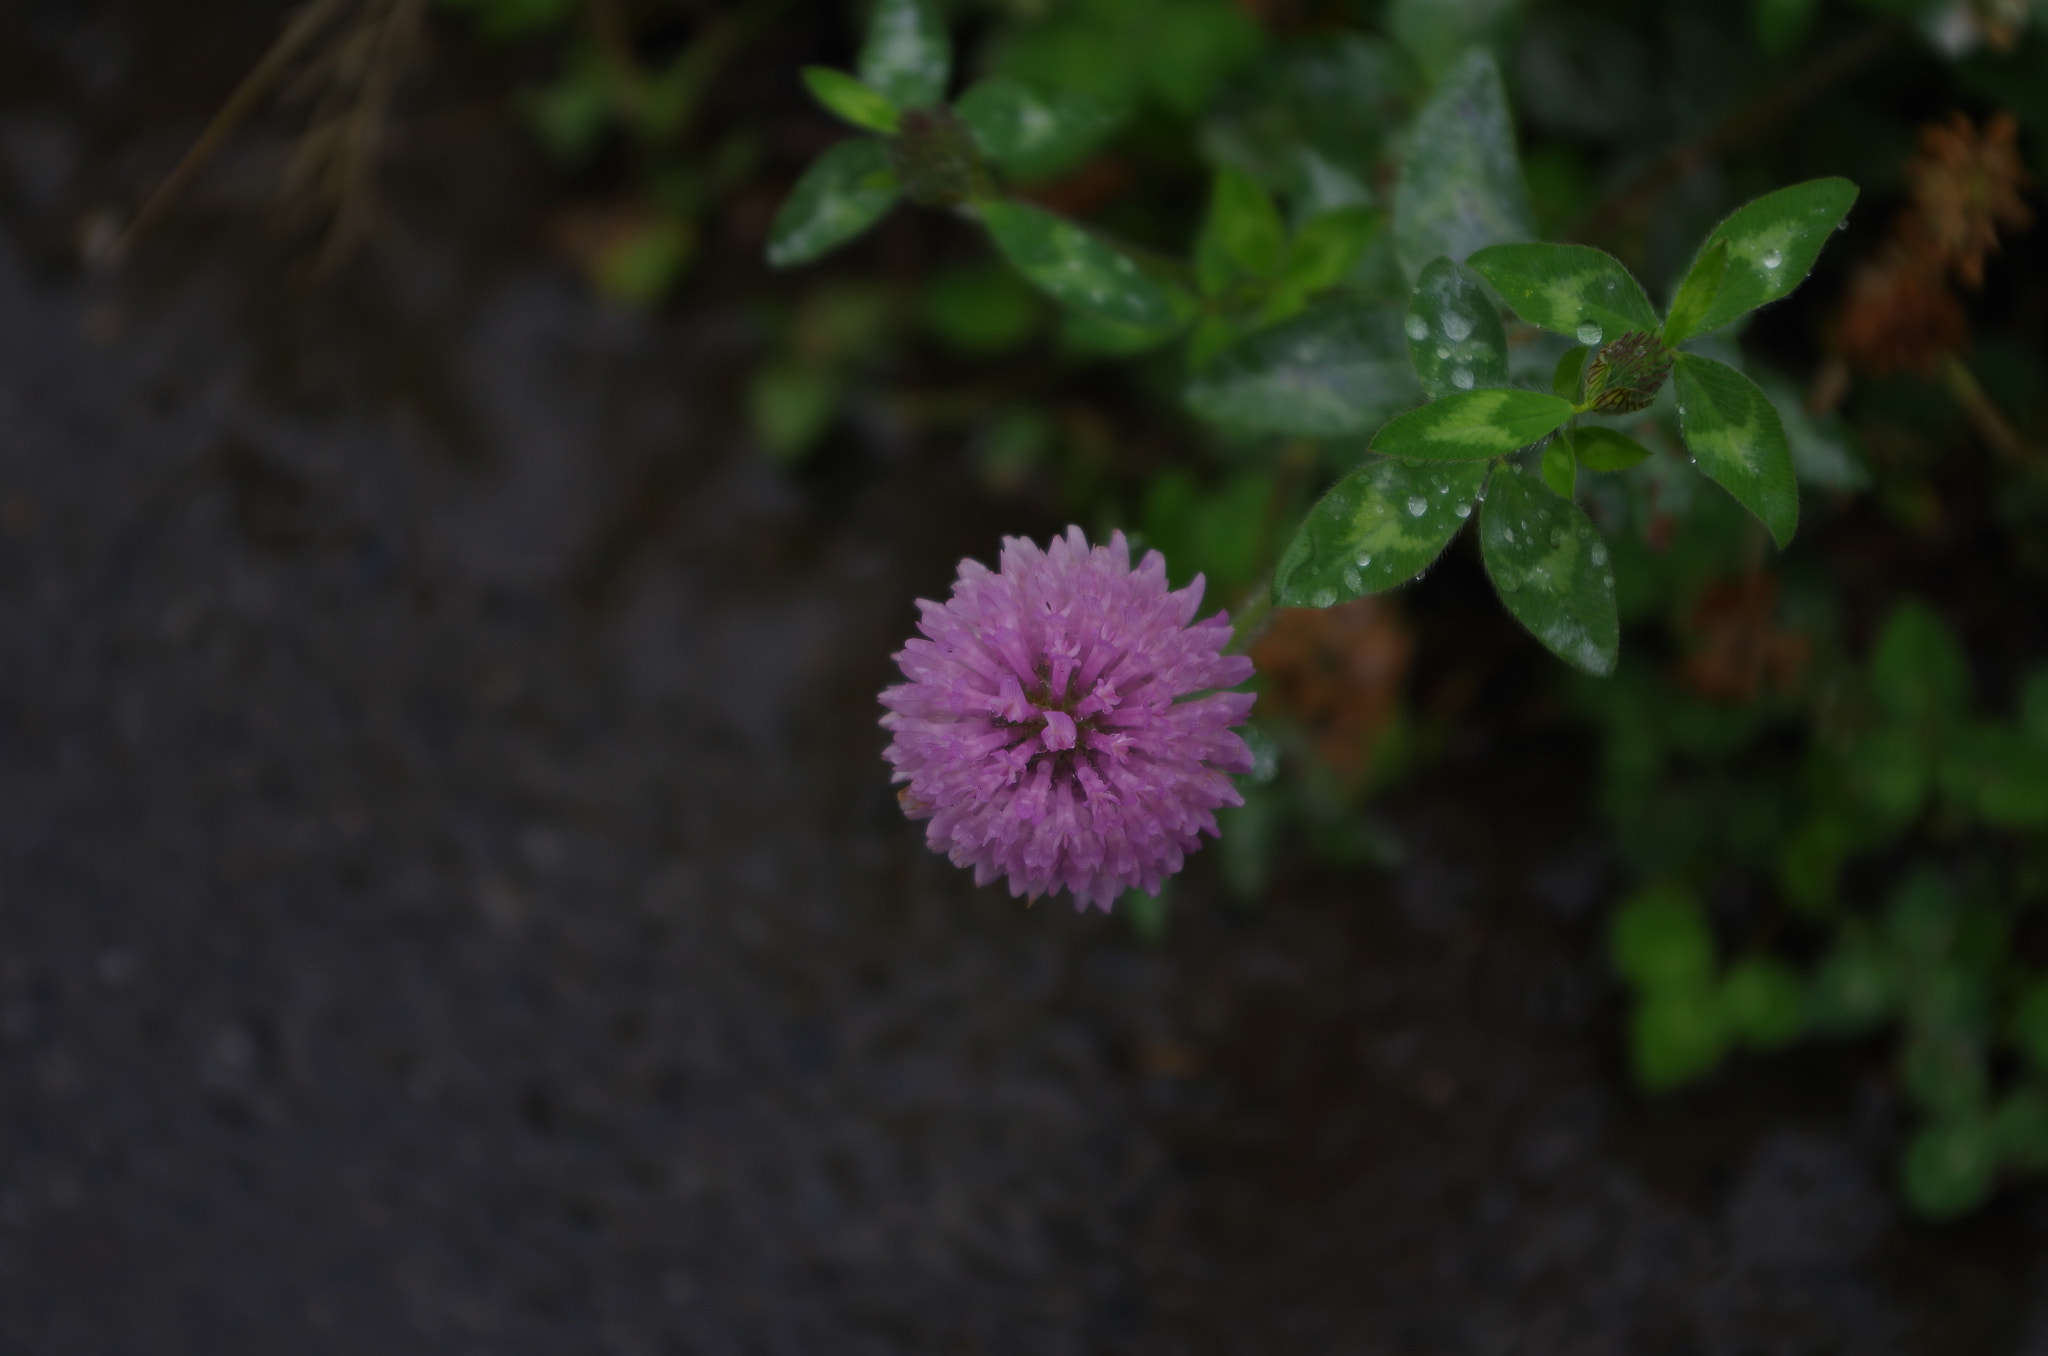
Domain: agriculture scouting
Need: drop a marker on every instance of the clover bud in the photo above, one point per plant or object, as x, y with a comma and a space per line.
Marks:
1625, 376
934, 155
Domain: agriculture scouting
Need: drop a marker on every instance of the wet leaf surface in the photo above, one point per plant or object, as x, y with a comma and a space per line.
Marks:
1468, 424
1378, 527
1337, 368
1772, 244
1573, 290
1735, 435
1027, 130
1455, 337
845, 191
908, 53
1077, 269
1551, 567
1461, 186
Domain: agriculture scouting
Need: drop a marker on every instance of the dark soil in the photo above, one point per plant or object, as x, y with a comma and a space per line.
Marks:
451, 900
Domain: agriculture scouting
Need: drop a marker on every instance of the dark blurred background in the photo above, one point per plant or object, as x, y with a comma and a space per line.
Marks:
451, 899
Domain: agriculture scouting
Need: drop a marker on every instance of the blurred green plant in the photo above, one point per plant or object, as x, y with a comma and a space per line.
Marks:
1909, 840
605, 91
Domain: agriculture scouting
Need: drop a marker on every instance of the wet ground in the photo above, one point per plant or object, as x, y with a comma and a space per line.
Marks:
451, 901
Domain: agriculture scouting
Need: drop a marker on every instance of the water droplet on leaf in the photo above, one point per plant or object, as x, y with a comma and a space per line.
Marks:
1773, 258
1418, 328
1464, 510
1417, 506
1461, 377
1589, 332
1457, 328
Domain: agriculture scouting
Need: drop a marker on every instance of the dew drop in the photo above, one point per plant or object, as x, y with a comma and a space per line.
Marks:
1589, 332
1599, 554
1457, 328
1418, 328
1464, 510
1442, 352
1461, 377
1364, 561
1417, 506
1326, 598
1773, 258
1507, 534
1842, 225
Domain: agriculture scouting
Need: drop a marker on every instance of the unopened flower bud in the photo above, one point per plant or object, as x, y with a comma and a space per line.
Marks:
934, 155
1626, 375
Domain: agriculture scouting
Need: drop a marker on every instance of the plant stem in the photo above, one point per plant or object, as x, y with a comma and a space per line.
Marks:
1985, 416
305, 25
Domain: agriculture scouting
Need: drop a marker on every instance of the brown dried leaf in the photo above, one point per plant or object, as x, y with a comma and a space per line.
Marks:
1737, 645
1966, 187
1339, 671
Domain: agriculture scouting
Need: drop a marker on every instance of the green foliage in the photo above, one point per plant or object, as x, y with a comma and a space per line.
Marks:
1573, 290
1461, 184
908, 54
846, 190
1559, 467
1781, 24
1436, 32
1284, 332
1931, 954
1696, 294
1771, 246
1470, 425
1605, 449
980, 308
1950, 1166
1376, 528
1738, 440
1173, 53
1214, 532
789, 405
1455, 338
1337, 368
1660, 939
641, 268
1241, 236
1079, 270
1031, 132
1551, 567
1763, 1002
848, 98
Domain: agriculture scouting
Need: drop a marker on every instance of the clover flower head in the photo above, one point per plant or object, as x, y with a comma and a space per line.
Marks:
1062, 726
